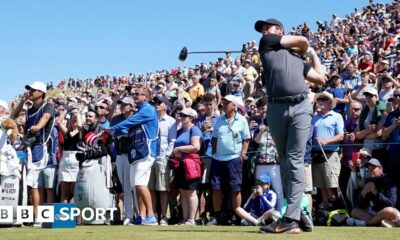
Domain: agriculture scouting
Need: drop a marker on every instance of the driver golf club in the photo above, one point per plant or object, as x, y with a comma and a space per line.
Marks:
184, 53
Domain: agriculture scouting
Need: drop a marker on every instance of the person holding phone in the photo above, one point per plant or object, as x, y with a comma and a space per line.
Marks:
370, 125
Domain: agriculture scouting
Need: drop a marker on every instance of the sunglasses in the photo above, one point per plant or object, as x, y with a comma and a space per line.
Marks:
101, 107
355, 109
368, 95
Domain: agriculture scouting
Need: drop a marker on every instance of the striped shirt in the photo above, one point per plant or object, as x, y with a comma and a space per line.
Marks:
230, 136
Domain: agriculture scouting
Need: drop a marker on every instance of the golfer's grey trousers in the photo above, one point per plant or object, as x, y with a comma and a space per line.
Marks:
289, 124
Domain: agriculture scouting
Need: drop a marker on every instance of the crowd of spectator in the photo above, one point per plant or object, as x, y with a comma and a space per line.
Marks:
217, 112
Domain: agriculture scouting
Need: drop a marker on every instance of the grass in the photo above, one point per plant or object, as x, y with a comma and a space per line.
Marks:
193, 233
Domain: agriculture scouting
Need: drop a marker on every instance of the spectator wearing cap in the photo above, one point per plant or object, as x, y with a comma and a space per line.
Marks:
69, 125
230, 140
377, 200
251, 75
328, 132
122, 163
159, 182
206, 123
391, 133
187, 145
358, 175
258, 208
370, 125
145, 118
283, 69
39, 123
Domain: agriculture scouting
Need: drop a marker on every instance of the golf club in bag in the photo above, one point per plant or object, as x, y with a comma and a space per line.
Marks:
93, 188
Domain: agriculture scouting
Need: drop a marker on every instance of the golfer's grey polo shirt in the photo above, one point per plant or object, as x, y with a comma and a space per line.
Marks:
284, 72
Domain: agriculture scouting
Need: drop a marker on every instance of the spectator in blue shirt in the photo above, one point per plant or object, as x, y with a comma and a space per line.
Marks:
258, 207
147, 118
230, 142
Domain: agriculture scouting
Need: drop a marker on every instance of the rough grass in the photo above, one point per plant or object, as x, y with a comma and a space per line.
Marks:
194, 233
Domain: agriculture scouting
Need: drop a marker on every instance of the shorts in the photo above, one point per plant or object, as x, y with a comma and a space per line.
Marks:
180, 179
43, 178
160, 175
322, 172
140, 172
227, 175
308, 180
69, 167
207, 162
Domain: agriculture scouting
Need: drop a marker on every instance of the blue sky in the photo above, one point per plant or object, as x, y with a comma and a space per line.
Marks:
49, 40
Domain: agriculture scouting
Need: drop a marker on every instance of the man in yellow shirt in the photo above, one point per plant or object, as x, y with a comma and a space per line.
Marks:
197, 90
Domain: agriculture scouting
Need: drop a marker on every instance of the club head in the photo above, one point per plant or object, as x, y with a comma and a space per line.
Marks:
183, 54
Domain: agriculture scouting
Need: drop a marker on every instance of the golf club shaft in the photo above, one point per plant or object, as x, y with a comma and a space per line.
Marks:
333, 173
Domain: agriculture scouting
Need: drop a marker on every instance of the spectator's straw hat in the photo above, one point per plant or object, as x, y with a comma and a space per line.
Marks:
326, 94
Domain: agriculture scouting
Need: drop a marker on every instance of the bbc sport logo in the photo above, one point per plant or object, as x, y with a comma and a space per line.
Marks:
58, 215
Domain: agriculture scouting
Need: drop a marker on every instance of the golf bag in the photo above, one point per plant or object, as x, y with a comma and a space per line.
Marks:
93, 184
13, 188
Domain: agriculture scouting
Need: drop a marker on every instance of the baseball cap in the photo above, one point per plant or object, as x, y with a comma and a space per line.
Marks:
37, 85
4, 104
371, 90
264, 178
74, 106
189, 112
251, 99
270, 21
365, 151
375, 162
160, 99
235, 100
127, 100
